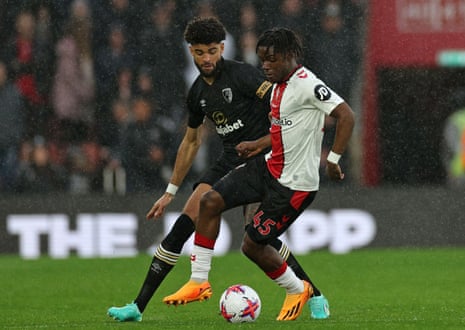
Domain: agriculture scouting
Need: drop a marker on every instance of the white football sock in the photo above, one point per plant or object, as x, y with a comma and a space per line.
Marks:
200, 263
290, 282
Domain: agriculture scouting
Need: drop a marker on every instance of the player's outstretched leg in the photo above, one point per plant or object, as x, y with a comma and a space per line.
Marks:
164, 259
318, 304
291, 260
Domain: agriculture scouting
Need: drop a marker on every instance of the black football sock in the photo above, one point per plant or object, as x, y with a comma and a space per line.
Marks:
164, 259
287, 255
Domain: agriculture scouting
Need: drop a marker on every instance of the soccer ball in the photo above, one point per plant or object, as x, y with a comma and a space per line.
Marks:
240, 303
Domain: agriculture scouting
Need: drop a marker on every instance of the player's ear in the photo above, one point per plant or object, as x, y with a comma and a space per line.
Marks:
191, 50
222, 48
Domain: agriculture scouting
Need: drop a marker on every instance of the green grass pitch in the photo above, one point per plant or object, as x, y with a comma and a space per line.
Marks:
367, 289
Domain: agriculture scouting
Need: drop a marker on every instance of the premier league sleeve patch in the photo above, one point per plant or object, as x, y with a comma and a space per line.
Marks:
322, 92
264, 87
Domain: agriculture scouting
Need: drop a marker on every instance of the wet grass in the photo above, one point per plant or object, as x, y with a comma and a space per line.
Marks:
367, 289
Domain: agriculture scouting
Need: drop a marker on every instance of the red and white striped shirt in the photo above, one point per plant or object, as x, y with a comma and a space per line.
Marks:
298, 108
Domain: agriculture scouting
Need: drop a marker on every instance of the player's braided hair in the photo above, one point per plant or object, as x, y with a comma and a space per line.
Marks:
204, 30
284, 41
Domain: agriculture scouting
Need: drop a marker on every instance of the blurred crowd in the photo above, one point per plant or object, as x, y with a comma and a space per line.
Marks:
92, 91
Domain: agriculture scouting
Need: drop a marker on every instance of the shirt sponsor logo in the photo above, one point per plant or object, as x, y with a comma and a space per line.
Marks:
229, 128
219, 118
281, 121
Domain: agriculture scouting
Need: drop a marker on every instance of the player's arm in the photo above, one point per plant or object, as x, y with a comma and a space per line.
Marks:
184, 158
345, 121
247, 149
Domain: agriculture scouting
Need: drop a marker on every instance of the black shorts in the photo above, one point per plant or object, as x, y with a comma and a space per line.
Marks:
279, 205
222, 166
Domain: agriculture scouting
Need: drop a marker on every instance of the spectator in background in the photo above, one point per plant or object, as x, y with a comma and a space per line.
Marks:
20, 57
73, 87
4, 22
25, 153
44, 50
144, 85
248, 19
38, 174
168, 118
44, 44
110, 60
246, 53
11, 128
160, 76
131, 15
121, 117
85, 163
293, 15
168, 61
112, 131
333, 50
334, 54
239, 17
144, 149
124, 90
248, 36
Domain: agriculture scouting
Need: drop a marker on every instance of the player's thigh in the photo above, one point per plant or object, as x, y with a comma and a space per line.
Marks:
243, 185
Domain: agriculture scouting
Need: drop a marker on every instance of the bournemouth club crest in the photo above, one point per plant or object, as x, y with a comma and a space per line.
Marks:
227, 94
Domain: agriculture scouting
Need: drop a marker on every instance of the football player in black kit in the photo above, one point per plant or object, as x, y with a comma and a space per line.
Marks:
235, 97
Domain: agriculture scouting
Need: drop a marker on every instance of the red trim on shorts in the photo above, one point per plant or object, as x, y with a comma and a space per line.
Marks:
298, 198
204, 241
278, 272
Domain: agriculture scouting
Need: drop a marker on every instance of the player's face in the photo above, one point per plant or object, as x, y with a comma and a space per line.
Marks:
276, 66
206, 57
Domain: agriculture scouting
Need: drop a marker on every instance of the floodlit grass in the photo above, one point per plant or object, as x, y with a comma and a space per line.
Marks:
368, 289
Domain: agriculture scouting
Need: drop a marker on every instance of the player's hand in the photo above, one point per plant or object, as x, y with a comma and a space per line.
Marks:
334, 171
248, 149
159, 206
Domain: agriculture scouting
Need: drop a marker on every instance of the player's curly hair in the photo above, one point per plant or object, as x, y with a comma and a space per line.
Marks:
283, 40
204, 30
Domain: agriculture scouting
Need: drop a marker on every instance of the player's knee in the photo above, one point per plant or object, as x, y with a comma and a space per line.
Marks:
212, 203
191, 208
249, 247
